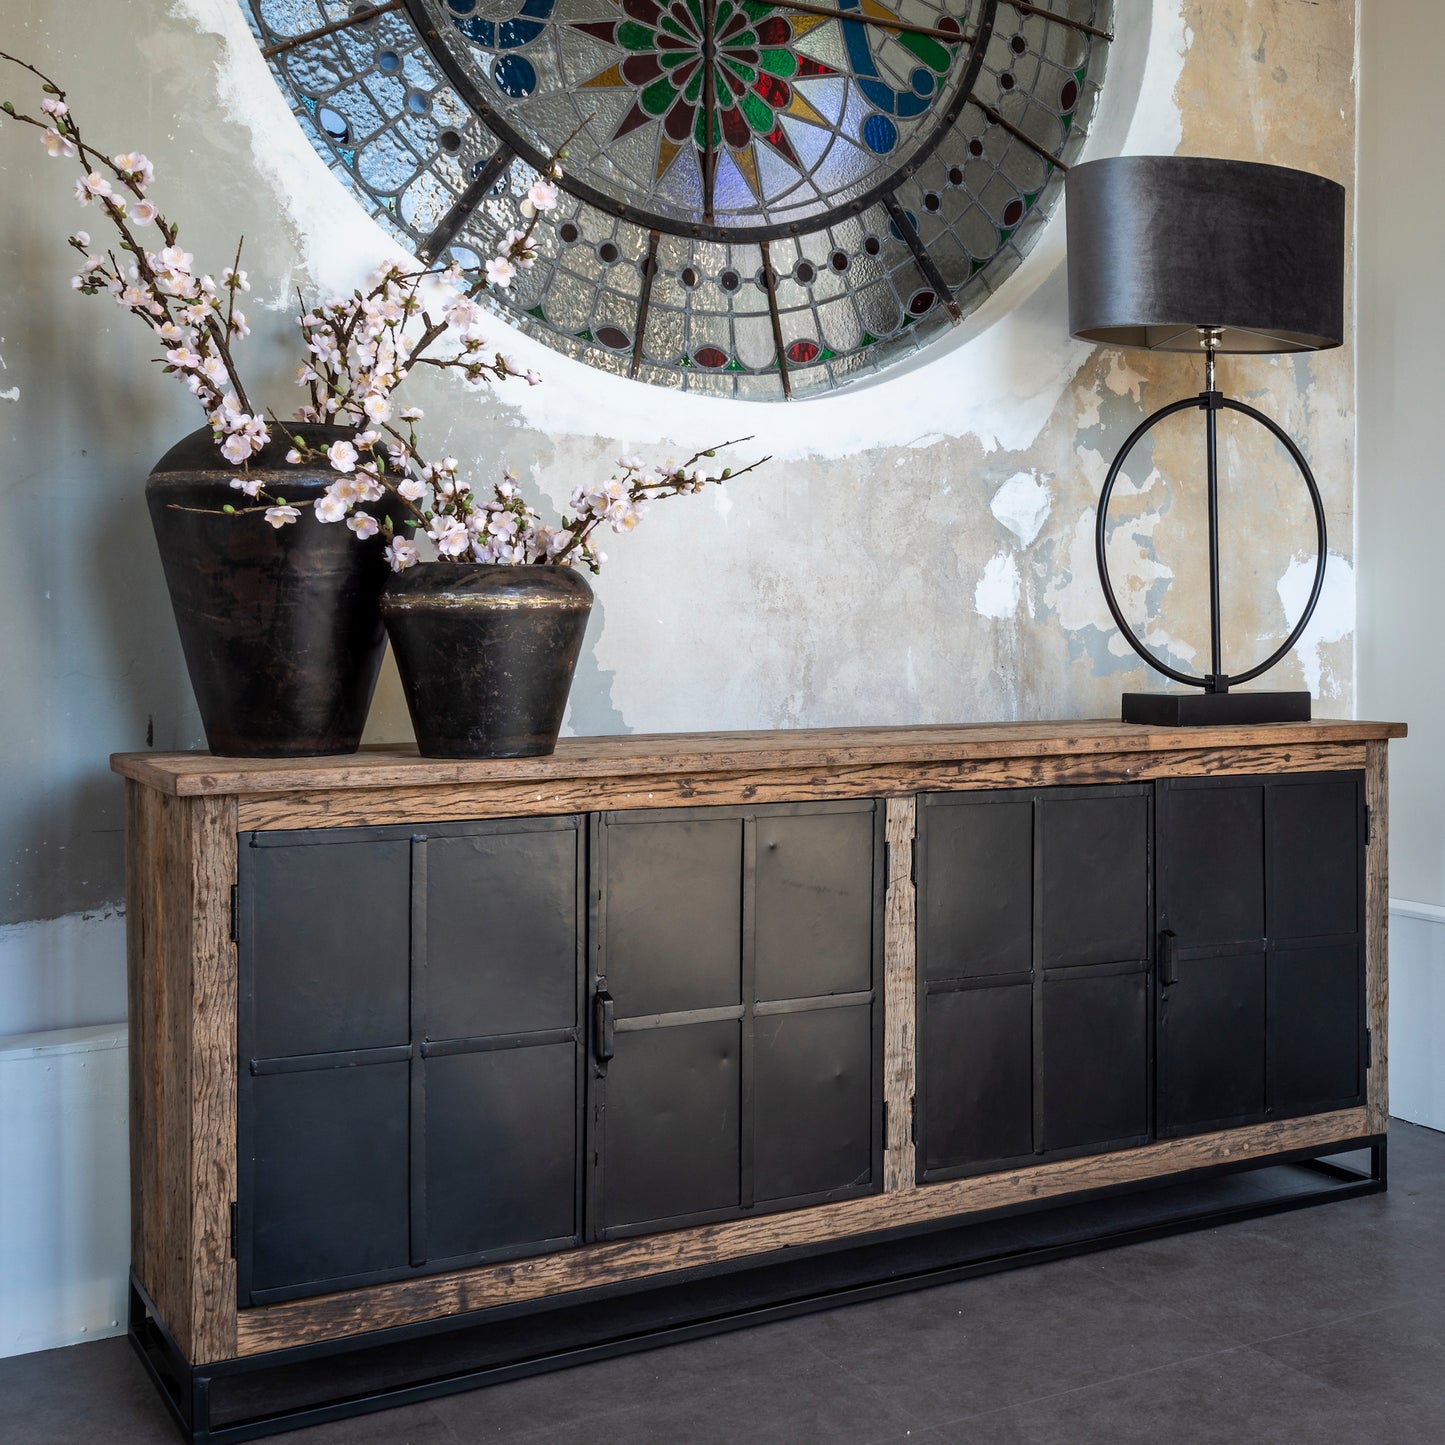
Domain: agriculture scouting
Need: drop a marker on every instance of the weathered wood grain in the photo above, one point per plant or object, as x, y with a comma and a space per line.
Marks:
698, 754
356, 1312
181, 983
456, 802
899, 998
212, 871
1377, 940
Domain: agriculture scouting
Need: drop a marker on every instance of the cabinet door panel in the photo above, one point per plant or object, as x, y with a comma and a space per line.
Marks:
1212, 1044
1095, 1059
978, 1091
501, 1154
977, 894
1095, 855
813, 904
1314, 862
329, 934
674, 916
671, 1118
330, 1174
1211, 848
812, 1101
501, 932
1315, 1000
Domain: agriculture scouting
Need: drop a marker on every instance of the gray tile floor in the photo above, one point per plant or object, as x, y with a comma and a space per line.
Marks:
1322, 1326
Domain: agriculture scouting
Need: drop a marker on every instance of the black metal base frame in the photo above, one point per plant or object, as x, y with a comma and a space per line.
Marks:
245, 1399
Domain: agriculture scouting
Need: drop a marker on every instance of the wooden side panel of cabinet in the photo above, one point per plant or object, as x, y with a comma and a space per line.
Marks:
181, 980
1377, 941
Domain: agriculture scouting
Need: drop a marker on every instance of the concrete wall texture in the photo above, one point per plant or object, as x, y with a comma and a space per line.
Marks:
919, 551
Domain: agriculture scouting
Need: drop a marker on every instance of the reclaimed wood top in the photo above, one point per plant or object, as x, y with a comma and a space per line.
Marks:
661, 754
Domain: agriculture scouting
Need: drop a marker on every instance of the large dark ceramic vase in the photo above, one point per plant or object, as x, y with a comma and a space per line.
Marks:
281, 627
486, 654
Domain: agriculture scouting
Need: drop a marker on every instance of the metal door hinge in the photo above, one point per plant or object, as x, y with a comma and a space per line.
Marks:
233, 1229
235, 911
913, 860
885, 1123
913, 1119
1369, 825
1369, 1049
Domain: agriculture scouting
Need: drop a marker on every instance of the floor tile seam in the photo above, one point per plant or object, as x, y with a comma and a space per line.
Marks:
1088, 1385
1255, 1344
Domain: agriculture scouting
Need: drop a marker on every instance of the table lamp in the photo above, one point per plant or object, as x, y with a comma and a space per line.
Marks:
1178, 253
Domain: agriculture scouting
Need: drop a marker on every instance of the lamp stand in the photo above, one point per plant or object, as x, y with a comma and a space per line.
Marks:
1216, 704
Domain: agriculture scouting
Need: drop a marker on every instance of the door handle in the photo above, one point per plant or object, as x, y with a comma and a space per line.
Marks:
1168, 957
604, 1026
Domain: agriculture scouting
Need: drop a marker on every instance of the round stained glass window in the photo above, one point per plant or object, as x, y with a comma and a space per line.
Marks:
760, 198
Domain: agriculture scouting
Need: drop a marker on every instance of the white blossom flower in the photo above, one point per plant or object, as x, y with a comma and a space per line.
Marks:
184, 358
293, 458
245, 482
214, 369
137, 167
88, 187
377, 406
237, 324
280, 516
330, 507
342, 456
543, 195
411, 489
401, 554
363, 524
500, 271
534, 378
80, 238
53, 106
412, 413
237, 448
231, 277
173, 258
57, 144
143, 213
449, 535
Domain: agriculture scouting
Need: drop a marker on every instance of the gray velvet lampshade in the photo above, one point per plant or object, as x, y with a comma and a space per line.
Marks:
1160, 246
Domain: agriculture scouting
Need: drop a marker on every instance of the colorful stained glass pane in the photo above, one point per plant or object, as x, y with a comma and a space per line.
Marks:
717, 125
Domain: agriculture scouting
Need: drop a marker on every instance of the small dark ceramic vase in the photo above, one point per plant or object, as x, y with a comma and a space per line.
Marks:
486, 654
281, 627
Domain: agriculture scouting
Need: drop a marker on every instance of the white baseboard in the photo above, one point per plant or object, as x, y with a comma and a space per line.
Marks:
1417, 1012
64, 1187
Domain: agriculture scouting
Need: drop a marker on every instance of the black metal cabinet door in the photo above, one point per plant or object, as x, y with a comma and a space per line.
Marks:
736, 1037
1261, 948
1033, 973
410, 1051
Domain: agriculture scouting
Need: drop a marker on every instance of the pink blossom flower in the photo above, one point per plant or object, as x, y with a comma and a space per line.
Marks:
293, 458
237, 448
57, 144
543, 195
280, 516
411, 489
330, 507
143, 213
342, 456
52, 106
363, 524
401, 554
184, 358
173, 258
88, 187
137, 167
534, 378
500, 271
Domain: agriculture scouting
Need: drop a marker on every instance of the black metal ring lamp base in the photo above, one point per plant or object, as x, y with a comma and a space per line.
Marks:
1216, 704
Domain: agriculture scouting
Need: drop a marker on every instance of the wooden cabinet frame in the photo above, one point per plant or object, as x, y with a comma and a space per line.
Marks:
184, 813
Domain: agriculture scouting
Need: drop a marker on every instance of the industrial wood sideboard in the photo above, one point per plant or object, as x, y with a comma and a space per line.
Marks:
445, 1072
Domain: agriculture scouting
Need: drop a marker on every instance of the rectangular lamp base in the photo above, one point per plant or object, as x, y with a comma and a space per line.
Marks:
1214, 709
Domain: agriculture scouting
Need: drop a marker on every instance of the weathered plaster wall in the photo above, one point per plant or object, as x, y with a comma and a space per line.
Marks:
920, 551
